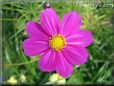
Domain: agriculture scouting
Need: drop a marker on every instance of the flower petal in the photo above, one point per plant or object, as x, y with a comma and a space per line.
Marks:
34, 29
33, 46
49, 21
64, 68
48, 61
82, 37
70, 23
75, 54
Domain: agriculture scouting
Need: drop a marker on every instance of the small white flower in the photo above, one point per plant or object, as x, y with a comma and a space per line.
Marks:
12, 80
55, 78
23, 78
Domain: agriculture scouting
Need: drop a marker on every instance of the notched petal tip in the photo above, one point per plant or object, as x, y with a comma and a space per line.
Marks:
90, 37
77, 55
81, 38
49, 21
29, 23
64, 68
48, 61
65, 75
33, 46
70, 23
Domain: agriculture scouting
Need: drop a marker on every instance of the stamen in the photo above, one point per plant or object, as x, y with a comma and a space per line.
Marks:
57, 42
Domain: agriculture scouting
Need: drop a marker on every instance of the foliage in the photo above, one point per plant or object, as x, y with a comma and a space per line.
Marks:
99, 67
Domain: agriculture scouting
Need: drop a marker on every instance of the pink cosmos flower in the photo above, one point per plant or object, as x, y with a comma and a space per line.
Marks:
61, 43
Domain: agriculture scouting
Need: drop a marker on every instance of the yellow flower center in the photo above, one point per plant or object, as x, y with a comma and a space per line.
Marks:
57, 42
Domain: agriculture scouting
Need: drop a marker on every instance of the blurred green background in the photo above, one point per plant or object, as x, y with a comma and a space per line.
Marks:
19, 69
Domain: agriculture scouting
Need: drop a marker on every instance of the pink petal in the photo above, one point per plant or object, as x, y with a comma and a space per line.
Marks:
82, 37
33, 46
49, 21
70, 23
34, 29
64, 68
75, 54
48, 61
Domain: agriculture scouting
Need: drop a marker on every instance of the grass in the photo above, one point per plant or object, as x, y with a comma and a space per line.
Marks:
99, 67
